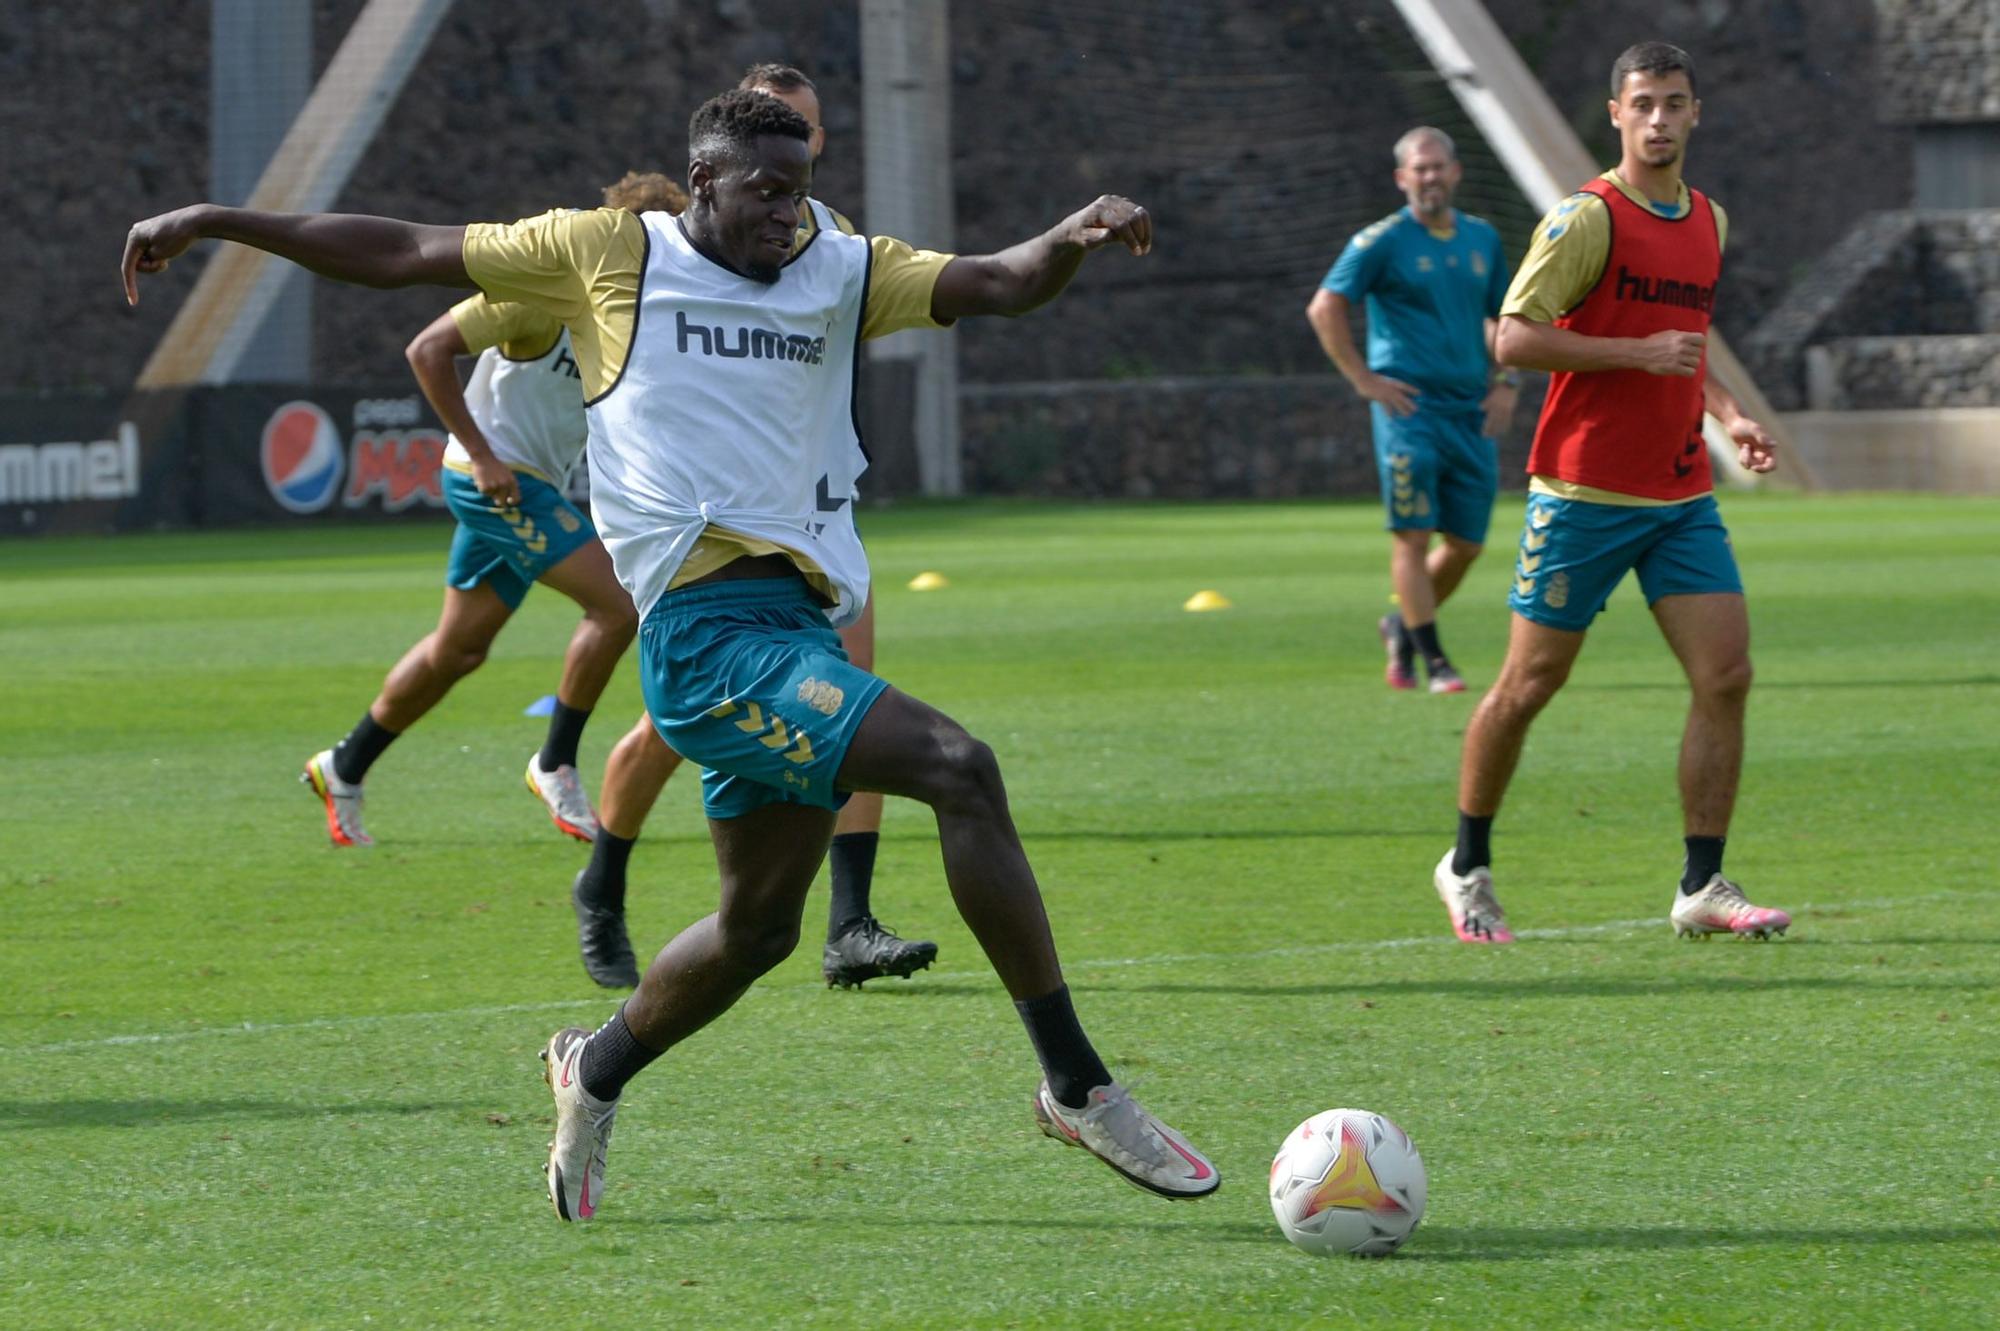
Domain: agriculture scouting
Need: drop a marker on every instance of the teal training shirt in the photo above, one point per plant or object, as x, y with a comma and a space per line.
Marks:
1427, 299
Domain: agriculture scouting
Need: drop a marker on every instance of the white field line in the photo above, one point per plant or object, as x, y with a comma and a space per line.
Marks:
601, 1004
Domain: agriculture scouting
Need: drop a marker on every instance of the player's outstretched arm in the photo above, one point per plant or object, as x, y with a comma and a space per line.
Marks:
1023, 276
368, 251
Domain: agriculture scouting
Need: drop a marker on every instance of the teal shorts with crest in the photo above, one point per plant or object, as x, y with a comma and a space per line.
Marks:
749, 680
1573, 553
1438, 472
509, 548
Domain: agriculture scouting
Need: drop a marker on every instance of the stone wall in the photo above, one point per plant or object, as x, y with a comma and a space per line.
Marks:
1244, 437
1928, 279
1937, 61
1259, 132
1879, 373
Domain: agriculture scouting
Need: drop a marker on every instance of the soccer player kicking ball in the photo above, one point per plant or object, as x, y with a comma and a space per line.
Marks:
1614, 300
718, 365
858, 946
516, 431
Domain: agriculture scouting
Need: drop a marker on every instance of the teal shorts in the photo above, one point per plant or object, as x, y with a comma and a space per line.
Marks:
510, 548
1573, 553
749, 680
1438, 472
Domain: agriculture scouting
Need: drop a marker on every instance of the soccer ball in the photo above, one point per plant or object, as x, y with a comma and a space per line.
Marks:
1348, 1180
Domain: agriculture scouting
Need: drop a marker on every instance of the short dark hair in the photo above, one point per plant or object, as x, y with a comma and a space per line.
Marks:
725, 126
785, 78
1650, 58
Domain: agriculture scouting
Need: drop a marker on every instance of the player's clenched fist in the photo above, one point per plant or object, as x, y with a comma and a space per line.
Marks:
1671, 352
1113, 217
151, 244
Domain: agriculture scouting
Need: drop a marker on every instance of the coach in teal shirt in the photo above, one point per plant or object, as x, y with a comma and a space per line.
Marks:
1430, 280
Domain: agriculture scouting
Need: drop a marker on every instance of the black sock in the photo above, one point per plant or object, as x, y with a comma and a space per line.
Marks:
1704, 861
851, 858
1068, 1061
611, 1058
353, 756
565, 730
1475, 844
1405, 647
602, 883
1426, 638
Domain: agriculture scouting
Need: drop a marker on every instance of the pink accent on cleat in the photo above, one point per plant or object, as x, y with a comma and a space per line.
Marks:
1475, 912
1721, 908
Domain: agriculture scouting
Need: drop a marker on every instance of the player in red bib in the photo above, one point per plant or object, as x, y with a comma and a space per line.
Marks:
1614, 300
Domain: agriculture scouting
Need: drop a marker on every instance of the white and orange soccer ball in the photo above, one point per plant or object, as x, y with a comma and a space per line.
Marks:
1348, 1180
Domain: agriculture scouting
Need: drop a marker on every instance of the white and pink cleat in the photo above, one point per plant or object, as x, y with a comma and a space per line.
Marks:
1475, 912
1144, 1151
1721, 908
583, 1128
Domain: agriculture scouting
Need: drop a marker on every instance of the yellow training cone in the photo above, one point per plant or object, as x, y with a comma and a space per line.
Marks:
1208, 600
928, 582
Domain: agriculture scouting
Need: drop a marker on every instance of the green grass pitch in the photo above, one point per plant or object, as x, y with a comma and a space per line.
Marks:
247, 1080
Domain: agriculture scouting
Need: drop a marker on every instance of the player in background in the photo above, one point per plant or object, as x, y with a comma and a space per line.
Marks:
715, 420
516, 430
1431, 279
1614, 300
858, 947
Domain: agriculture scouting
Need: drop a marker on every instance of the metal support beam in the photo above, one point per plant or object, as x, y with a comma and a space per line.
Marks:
211, 332
260, 73
906, 134
1549, 162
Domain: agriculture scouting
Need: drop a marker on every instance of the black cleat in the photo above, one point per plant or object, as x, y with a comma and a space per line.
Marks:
601, 937
867, 951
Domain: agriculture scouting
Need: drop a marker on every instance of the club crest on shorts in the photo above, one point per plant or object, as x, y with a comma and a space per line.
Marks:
821, 696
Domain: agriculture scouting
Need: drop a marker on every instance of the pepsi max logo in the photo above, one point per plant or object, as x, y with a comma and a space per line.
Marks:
397, 468
302, 457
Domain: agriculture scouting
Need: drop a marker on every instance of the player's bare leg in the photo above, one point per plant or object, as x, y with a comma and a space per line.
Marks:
608, 626
1710, 634
601, 637
1537, 665
471, 619
905, 747
1423, 578
635, 773
858, 948
1448, 562
768, 858
1410, 575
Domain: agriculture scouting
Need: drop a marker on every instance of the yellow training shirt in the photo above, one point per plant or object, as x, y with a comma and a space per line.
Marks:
522, 332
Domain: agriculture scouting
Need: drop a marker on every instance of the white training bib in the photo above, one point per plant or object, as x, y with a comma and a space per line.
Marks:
531, 411
735, 409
